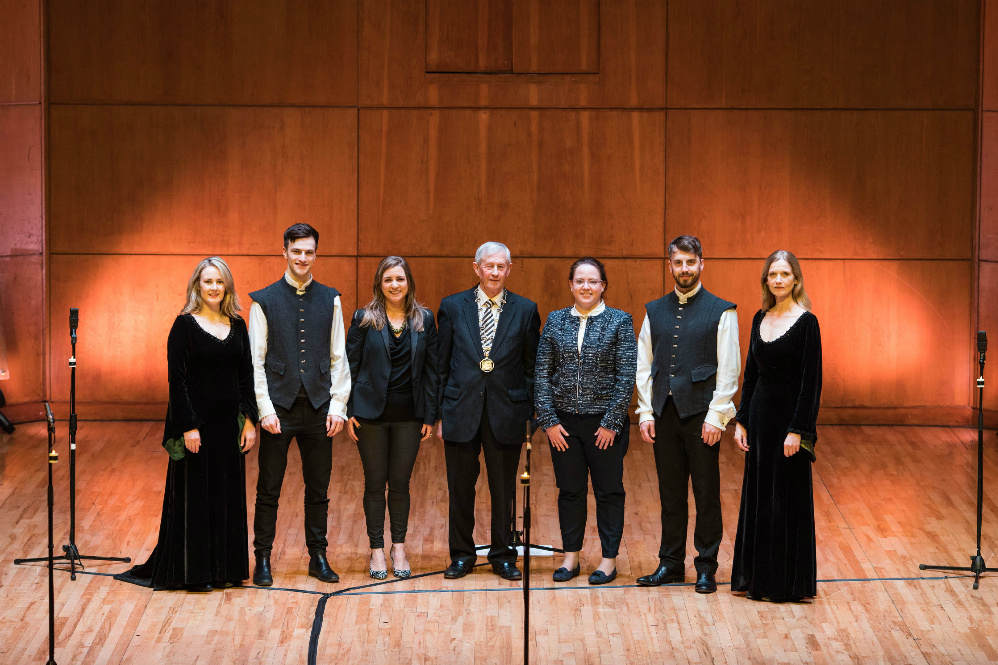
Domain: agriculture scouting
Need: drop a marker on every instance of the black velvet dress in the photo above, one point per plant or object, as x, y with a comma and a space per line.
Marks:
202, 533
775, 554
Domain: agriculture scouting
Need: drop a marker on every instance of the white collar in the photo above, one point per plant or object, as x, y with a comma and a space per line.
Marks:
683, 297
480, 296
291, 280
596, 311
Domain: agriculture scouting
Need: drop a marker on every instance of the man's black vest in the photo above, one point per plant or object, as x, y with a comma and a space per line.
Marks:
684, 347
298, 332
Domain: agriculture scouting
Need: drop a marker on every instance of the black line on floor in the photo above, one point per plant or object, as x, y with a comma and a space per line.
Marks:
313, 640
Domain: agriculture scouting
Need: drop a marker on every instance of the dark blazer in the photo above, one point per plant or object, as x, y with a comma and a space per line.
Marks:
371, 365
464, 387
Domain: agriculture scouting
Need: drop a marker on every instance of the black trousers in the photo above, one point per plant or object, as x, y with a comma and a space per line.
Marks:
572, 470
682, 456
501, 464
308, 427
388, 452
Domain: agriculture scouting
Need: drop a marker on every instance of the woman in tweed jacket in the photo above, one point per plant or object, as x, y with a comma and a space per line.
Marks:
584, 378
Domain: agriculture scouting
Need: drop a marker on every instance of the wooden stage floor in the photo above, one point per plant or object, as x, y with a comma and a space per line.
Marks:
886, 499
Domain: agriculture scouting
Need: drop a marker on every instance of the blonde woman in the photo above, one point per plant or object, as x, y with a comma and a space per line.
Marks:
202, 534
775, 552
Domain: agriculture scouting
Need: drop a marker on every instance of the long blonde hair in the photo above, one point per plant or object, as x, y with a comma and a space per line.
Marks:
374, 311
230, 301
798, 294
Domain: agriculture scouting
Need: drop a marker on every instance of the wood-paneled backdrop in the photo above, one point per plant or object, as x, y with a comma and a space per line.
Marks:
847, 132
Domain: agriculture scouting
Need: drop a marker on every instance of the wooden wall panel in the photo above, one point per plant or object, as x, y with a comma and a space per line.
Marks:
469, 36
988, 321
556, 36
857, 184
547, 183
633, 282
122, 358
989, 186
185, 180
989, 74
298, 52
21, 317
20, 51
631, 64
21, 179
893, 333
843, 54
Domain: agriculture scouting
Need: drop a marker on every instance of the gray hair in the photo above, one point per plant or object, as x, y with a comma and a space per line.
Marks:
490, 248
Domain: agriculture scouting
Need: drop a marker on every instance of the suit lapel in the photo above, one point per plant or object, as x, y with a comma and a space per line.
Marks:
508, 311
384, 337
470, 312
414, 343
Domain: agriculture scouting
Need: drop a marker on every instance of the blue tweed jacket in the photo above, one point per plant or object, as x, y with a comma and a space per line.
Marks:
600, 379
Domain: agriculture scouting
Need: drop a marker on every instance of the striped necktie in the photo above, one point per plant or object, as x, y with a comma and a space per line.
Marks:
488, 326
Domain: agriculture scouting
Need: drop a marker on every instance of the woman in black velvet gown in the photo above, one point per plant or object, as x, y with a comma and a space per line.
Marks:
202, 534
775, 552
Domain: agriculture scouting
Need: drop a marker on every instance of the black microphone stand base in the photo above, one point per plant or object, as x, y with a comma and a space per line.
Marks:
977, 567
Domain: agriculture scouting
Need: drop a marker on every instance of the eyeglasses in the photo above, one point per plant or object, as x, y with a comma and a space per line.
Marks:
592, 283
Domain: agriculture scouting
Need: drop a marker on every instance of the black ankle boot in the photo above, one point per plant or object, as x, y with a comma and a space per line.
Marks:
261, 575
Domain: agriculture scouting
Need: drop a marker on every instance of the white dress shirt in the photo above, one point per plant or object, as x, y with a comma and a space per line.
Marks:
339, 370
729, 366
584, 318
497, 305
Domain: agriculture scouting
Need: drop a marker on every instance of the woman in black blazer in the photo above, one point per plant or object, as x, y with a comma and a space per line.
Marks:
391, 347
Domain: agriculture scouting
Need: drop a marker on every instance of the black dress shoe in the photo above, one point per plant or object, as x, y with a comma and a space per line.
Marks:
705, 583
507, 570
198, 588
662, 575
457, 569
319, 567
261, 574
564, 574
599, 577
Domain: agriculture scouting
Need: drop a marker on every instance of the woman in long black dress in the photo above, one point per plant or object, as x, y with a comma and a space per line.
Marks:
202, 533
775, 553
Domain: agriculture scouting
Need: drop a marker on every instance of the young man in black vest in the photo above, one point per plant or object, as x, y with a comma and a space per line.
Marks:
486, 346
688, 366
302, 383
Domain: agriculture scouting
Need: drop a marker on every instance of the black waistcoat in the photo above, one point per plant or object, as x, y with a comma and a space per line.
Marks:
684, 347
298, 332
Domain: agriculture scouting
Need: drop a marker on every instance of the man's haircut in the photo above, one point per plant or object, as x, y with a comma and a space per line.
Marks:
299, 231
688, 244
490, 248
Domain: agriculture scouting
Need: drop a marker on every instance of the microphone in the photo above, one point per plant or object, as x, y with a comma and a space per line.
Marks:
982, 341
74, 321
49, 418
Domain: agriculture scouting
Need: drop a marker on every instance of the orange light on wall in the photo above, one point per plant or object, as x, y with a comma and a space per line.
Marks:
4, 368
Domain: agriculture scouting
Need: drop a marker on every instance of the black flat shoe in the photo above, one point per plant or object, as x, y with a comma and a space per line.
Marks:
599, 577
507, 571
457, 570
662, 575
705, 583
564, 574
319, 568
198, 588
261, 574
224, 584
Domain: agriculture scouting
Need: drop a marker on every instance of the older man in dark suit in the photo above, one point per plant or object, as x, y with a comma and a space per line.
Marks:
487, 344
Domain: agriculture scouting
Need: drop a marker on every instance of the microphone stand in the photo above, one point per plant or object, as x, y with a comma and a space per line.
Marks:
525, 481
70, 551
53, 458
977, 566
